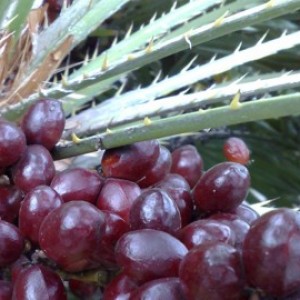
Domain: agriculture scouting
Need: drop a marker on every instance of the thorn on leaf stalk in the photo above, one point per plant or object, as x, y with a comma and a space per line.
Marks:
104, 66
270, 3
235, 102
57, 55
42, 92
64, 81
90, 4
147, 121
130, 57
221, 19
149, 48
108, 131
187, 39
75, 138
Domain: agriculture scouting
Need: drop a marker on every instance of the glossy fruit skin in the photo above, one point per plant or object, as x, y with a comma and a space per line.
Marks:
222, 188
159, 170
114, 228
246, 213
10, 201
38, 282
212, 271
19, 266
271, 252
155, 209
5, 290
149, 254
236, 150
130, 162
187, 162
118, 287
175, 181
11, 243
70, 233
37, 204
164, 288
239, 227
205, 231
178, 189
117, 196
43, 123
34, 168
77, 184
12, 143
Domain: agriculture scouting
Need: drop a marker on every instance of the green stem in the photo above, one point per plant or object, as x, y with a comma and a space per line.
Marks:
268, 108
100, 277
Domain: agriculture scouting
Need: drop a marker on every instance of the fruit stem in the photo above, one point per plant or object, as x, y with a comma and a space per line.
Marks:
99, 277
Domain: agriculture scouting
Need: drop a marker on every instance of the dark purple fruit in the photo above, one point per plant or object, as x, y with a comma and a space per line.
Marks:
34, 168
70, 233
212, 271
130, 162
222, 188
271, 253
44, 123
187, 162
149, 254
11, 243
77, 184
38, 282
155, 209
37, 204
12, 143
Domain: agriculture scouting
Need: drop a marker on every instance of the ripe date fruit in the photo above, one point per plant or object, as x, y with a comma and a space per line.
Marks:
130, 162
10, 201
149, 254
212, 271
37, 204
119, 288
115, 227
237, 225
205, 231
12, 143
155, 209
18, 266
222, 188
187, 162
43, 123
11, 243
246, 213
236, 150
117, 196
38, 282
164, 288
173, 181
271, 252
34, 168
77, 184
159, 170
178, 189
70, 233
